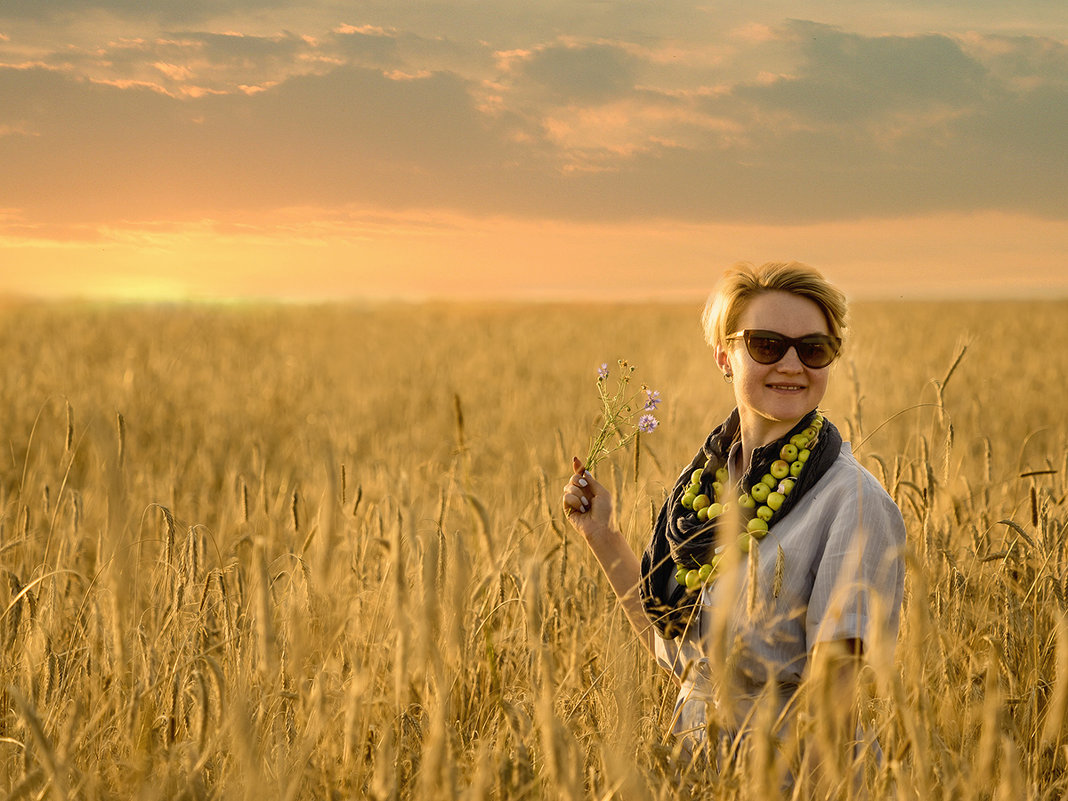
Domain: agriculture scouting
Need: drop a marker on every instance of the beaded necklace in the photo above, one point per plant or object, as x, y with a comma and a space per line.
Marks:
757, 507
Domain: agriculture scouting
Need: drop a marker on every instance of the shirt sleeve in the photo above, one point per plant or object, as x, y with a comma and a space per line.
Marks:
678, 655
859, 578
667, 654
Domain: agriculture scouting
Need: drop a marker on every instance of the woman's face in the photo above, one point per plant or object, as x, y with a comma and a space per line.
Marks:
774, 397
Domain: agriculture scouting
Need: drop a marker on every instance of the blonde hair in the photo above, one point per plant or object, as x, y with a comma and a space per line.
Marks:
743, 282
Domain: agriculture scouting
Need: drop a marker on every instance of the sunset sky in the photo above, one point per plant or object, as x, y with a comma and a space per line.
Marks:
222, 149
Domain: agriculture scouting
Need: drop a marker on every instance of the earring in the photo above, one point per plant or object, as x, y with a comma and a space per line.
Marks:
728, 377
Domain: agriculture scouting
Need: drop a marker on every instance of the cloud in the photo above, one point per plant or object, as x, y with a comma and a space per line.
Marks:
229, 50
580, 73
166, 11
178, 61
845, 77
99, 150
366, 45
801, 122
1021, 62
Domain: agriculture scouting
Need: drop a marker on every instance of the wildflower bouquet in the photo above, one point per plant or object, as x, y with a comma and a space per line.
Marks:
625, 414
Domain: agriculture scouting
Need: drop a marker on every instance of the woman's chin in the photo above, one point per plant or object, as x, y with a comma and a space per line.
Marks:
787, 407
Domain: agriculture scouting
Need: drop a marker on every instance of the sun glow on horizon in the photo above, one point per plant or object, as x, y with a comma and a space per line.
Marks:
422, 256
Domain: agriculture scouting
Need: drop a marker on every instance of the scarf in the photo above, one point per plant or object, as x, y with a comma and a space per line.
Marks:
680, 538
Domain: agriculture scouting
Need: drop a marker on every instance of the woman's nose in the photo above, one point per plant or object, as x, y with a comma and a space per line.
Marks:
790, 361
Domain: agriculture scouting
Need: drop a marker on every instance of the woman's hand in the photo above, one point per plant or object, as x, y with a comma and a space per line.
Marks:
588, 506
587, 503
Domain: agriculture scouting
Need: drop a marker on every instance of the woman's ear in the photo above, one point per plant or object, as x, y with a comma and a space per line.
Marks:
722, 360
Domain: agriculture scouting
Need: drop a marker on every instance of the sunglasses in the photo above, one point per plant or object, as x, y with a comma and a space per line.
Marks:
767, 347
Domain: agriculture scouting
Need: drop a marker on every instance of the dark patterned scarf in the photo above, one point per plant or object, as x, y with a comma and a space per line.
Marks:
679, 538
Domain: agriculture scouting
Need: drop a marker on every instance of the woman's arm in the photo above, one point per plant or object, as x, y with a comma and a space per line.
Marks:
853, 617
832, 710
588, 506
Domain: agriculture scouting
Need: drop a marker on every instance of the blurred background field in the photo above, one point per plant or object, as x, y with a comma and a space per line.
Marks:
317, 552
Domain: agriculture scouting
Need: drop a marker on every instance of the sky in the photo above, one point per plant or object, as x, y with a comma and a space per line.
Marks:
558, 149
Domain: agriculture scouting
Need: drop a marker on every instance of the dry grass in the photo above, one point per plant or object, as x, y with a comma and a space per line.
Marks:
317, 553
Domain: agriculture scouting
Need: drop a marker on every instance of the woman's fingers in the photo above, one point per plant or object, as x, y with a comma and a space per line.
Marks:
576, 502
579, 481
582, 476
577, 493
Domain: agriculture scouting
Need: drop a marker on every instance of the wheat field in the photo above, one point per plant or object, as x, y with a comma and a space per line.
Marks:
307, 553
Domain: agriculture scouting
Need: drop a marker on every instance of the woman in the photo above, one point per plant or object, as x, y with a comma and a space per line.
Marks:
802, 545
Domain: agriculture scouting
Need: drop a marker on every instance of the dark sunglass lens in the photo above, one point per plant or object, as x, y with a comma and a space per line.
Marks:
765, 349
817, 353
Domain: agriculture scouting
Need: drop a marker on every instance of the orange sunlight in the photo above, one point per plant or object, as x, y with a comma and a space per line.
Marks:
427, 256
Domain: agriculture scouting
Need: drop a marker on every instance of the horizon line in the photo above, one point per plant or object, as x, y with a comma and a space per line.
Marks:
8, 299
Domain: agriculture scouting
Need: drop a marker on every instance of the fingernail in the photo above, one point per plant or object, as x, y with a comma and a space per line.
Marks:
583, 482
585, 502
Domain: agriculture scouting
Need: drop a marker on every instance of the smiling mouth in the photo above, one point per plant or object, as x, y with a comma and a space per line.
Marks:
787, 387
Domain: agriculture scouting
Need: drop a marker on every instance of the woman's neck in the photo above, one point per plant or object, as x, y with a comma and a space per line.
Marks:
757, 431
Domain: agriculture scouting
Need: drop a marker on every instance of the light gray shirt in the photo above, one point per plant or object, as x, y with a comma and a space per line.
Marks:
832, 569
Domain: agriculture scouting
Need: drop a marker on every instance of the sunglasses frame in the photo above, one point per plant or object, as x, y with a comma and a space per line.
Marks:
789, 342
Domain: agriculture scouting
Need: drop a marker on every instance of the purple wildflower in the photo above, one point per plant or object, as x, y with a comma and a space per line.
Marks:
647, 423
602, 371
652, 400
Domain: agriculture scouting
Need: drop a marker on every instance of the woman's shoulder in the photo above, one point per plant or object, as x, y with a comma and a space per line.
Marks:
848, 479
846, 472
